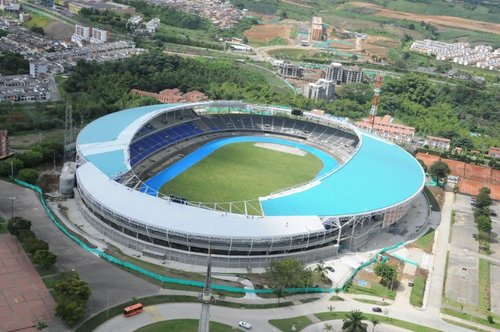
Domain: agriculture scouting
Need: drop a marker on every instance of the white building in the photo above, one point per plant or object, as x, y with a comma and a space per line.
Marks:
322, 89
38, 67
99, 36
339, 74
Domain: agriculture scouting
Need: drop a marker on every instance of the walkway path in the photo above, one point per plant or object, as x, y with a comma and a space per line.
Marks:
432, 300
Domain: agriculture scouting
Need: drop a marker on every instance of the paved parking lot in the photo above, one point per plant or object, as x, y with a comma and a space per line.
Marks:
463, 266
24, 299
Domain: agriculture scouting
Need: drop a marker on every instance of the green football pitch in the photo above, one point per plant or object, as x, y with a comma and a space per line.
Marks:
242, 172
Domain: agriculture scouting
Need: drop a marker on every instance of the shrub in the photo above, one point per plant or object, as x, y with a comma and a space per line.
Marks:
28, 175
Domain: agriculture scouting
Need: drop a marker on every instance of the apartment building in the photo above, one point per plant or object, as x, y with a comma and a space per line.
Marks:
323, 89
287, 69
99, 36
384, 127
317, 29
341, 74
439, 143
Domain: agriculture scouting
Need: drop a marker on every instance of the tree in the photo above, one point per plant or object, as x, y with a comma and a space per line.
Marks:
374, 322
45, 259
483, 200
70, 311
287, 273
483, 223
387, 272
34, 245
29, 175
31, 158
439, 170
70, 286
17, 225
328, 327
280, 293
10, 165
71, 295
353, 322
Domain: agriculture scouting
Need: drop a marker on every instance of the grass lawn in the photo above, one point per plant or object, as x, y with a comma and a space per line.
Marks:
49, 281
184, 325
115, 252
38, 19
417, 292
471, 318
376, 289
432, 200
425, 242
484, 284
241, 172
465, 326
324, 316
336, 298
300, 323
382, 303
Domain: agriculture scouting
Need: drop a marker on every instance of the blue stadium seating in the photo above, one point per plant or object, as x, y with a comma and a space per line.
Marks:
149, 144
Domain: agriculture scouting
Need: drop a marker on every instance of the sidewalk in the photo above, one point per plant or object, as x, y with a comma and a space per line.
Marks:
435, 284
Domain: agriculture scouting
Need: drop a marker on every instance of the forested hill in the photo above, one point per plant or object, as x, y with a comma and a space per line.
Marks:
450, 110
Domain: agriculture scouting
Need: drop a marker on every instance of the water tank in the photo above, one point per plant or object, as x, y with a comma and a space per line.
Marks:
67, 179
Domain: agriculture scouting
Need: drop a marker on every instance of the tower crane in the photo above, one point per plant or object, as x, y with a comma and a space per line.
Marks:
376, 94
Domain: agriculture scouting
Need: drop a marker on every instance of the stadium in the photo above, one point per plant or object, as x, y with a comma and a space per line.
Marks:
249, 183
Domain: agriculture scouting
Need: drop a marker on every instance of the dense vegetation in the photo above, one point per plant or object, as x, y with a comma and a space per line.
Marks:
169, 15
106, 18
447, 110
13, 64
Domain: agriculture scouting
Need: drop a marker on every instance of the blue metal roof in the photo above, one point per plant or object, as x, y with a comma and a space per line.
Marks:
379, 175
110, 163
110, 126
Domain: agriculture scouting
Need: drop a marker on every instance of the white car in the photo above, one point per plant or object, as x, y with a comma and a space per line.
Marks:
245, 325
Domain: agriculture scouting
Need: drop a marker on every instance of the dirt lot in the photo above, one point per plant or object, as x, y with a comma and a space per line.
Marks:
378, 45
448, 21
266, 32
59, 30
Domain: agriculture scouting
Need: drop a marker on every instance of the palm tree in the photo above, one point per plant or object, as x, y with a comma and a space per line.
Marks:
328, 327
374, 322
353, 322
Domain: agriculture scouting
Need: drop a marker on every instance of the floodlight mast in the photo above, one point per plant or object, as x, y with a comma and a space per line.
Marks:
375, 100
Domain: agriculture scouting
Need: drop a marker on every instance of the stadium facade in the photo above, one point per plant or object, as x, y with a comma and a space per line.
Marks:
120, 155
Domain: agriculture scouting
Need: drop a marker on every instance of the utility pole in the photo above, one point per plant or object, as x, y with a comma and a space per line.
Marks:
12, 199
206, 298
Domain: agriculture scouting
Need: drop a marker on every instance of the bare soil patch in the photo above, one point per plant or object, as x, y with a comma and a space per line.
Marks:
296, 3
59, 30
267, 32
439, 20
378, 45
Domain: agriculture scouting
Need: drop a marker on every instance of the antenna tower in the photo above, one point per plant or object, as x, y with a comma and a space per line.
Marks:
375, 100
68, 132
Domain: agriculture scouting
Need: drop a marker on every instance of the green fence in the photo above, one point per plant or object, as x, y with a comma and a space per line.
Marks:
187, 282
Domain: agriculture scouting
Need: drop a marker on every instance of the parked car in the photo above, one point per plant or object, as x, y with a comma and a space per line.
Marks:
493, 213
410, 284
331, 269
245, 325
377, 309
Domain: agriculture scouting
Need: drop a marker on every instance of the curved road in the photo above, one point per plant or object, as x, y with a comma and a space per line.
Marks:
259, 317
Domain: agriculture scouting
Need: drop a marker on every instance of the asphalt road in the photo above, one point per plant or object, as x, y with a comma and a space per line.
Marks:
110, 285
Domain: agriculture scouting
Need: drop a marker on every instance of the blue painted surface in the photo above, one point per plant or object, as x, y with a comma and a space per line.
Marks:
110, 163
157, 181
378, 176
110, 126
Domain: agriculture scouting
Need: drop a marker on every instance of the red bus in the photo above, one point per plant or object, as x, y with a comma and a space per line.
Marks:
134, 309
